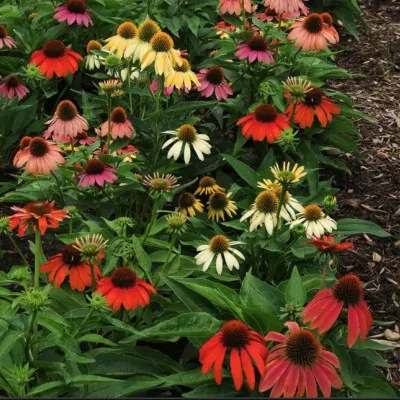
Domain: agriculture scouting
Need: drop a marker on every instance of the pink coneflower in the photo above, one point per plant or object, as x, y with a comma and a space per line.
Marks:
286, 6
328, 25
73, 12
212, 80
234, 6
166, 91
96, 172
12, 87
81, 138
120, 125
66, 122
38, 155
270, 14
5, 39
255, 49
311, 33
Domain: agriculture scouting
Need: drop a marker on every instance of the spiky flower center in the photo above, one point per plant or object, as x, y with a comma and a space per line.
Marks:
219, 244
258, 43
66, 110
176, 222
313, 97
313, 23
215, 75
76, 6
161, 42
94, 167
266, 202
81, 136
3, 32
235, 334
123, 278
266, 113
219, 201
327, 18
160, 184
12, 81
270, 12
127, 30
24, 142
302, 348
349, 289
38, 208
93, 45
118, 115
54, 48
185, 67
207, 181
187, 133
147, 30
312, 212
71, 256
186, 200
38, 147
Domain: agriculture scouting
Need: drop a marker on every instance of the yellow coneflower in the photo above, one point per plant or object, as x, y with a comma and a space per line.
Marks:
207, 186
220, 204
182, 76
126, 33
189, 205
162, 54
287, 175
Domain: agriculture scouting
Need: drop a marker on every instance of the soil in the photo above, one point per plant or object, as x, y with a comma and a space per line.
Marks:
372, 192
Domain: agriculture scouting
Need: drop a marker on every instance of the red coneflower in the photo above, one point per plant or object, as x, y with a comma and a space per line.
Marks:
264, 123
73, 11
12, 87
66, 122
125, 288
56, 59
120, 125
38, 155
97, 173
38, 214
212, 80
69, 262
298, 364
326, 306
5, 39
328, 244
314, 103
244, 346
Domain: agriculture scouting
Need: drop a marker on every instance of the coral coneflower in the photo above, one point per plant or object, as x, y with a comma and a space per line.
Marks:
69, 262
160, 183
264, 123
328, 244
124, 38
162, 54
125, 289
220, 247
189, 205
97, 173
314, 103
12, 87
208, 185
245, 347
120, 125
129, 152
298, 365
310, 33
39, 157
326, 306
286, 6
234, 6
255, 49
6, 40
270, 14
212, 81
66, 122
141, 43
328, 25
38, 215
93, 61
73, 12
56, 59
222, 29
220, 204
182, 77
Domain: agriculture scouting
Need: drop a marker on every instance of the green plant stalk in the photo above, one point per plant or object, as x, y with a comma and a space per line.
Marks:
59, 187
293, 113
82, 324
164, 266
70, 225
18, 249
29, 336
325, 267
92, 274
38, 250
129, 86
280, 204
109, 102
152, 220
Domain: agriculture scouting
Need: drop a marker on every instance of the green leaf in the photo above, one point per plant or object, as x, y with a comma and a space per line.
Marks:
95, 338
352, 226
295, 292
8, 341
376, 388
46, 387
142, 256
86, 379
188, 378
243, 170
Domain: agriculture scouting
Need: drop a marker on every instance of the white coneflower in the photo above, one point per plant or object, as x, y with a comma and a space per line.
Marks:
93, 61
263, 211
314, 221
220, 247
186, 136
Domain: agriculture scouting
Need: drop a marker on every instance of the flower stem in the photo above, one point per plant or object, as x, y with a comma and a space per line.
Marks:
243, 16
59, 188
293, 113
325, 267
162, 269
29, 336
294, 61
152, 220
72, 146
129, 86
280, 204
94, 284
109, 122
38, 251
78, 329
18, 249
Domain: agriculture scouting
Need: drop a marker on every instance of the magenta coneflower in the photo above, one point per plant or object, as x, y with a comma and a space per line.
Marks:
234, 6
5, 39
73, 12
96, 172
66, 122
212, 80
12, 87
120, 125
255, 49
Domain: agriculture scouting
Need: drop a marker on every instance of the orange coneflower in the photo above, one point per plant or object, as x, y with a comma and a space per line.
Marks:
56, 59
69, 262
38, 214
38, 155
244, 345
328, 25
327, 304
125, 288
328, 244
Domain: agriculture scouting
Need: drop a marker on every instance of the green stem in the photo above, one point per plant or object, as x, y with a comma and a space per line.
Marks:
78, 329
92, 274
171, 247
129, 86
18, 249
29, 336
70, 225
152, 220
280, 204
72, 146
109, 102
325, 267
294, 61
293, 113
59, 188
243, 16
38, 251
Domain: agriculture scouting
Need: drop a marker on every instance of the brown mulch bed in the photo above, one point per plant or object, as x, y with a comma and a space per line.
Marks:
372, 192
